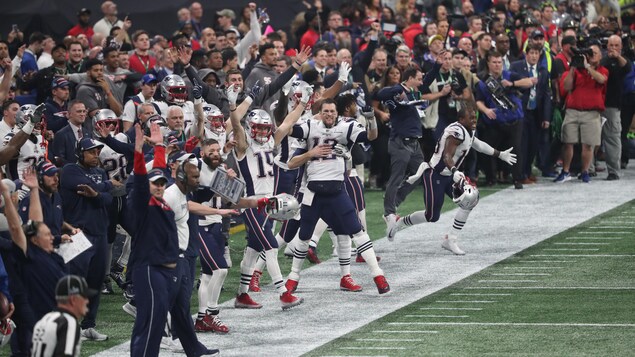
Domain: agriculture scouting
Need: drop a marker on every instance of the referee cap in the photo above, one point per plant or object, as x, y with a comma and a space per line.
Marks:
73, 285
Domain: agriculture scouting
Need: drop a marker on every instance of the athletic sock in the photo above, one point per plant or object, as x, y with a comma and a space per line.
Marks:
344, 244
299, 255
247, 269
274, 270
203, 293
365, 248
459, 221
215, 287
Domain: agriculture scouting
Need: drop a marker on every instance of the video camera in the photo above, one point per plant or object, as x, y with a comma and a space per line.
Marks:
578, 56
498, 93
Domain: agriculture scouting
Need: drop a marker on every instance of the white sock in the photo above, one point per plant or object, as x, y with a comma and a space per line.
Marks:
203, 293
260, 262
365, 248
301, 249
319, 229
247, 269
125, 252
344, 253
459, 221
412, 219
214, 287
362, 218
274, 270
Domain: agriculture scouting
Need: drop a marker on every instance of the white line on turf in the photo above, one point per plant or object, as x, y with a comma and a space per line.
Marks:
521, 324
453, 308
553, 287
442, 316
479, 294
609, 227
573, 249
596, 238
586, 255
371, 348
607, 232
466, 301
520, 274
548, 261
389, 339
533, 267
581, 243
405, 331
507, 281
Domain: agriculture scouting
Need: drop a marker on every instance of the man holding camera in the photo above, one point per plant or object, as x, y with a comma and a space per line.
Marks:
586, 86
618, 68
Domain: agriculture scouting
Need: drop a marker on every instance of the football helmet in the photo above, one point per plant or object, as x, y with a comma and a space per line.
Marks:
24, 115
108, 118
163, 125
282, 207
297, 88
214, 119
6, 330
465, 194
260, 125
173, 89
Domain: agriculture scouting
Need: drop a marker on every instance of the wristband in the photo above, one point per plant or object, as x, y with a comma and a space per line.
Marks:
372, 124
28, 127
453, 169
160, 144
249, 100
298, 63
198, 101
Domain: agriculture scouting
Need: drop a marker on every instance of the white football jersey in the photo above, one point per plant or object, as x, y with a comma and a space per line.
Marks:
214, 201
256, 167
331, 168
285, 148
31, 154
114, 164
459, 132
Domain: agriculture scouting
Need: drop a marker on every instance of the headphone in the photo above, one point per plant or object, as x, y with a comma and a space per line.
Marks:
30, 228
181, 175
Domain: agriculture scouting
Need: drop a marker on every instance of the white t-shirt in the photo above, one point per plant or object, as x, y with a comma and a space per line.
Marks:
178, 202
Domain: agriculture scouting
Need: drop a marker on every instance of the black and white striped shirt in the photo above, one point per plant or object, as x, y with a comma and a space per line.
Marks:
56, 334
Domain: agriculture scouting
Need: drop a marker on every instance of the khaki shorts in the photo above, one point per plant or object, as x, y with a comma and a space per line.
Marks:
582, 127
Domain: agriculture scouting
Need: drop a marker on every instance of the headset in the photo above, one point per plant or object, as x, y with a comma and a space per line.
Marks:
181, 175
30, 228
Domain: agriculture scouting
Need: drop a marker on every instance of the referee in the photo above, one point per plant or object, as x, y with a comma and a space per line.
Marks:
57, 333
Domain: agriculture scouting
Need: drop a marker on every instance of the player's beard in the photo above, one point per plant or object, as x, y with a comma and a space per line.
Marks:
211, 162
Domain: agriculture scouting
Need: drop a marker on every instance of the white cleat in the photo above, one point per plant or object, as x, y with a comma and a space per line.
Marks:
391, 222
393, 228
450, 244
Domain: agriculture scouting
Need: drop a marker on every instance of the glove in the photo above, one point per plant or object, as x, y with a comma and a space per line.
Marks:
38, 113
307, 92
368, 112
255, 90
507, 156
232, 94
191, 143
287, 86
266, 201
345, 69
342, 151
197, 91
458, 176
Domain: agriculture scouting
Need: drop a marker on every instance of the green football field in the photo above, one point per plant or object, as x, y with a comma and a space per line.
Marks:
571, 295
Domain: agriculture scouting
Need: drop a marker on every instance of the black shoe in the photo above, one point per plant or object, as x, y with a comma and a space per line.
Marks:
106, 288
211, 352
612, 177
518, 185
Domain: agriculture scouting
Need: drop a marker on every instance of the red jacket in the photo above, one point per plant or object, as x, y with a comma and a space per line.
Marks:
410, 32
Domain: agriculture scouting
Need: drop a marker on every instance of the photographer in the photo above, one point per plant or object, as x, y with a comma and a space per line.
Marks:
586, 86
502, 111
618, 68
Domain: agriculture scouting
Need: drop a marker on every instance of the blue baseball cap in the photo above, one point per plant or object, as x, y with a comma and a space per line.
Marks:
149, 78
59, 82
47, 168
88, 144
156, 174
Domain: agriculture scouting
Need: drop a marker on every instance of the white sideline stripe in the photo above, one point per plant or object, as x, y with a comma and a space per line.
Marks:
405, 331
548, 261
554, 287
453, 308
479, 294
507, 281
533, 267
521, 324
371, 348
467, 301
587, 255
581, 243
610, 227
596, 238
441, 316
520, 274
389, 339
602, 232
572, 249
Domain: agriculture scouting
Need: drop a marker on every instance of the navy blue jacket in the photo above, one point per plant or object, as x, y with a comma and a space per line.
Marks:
52, 211
90, 214
64, 145
503, 116
543, 92
55, 115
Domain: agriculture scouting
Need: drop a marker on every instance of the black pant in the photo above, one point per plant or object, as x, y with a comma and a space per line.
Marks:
628, 110
501, 137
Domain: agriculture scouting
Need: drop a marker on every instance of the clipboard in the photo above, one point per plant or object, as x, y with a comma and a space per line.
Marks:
228, 188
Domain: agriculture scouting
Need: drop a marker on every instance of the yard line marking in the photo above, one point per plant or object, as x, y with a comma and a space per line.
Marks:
441, 316
467, 301
389, 339
522, 324
596, 238
573, 249
553, 287
453, 308
611, 232
533, 267
520, 274
609, 227
581, 243
405, 331
586, 255
548, 261
507, 281
478, 294
371, 348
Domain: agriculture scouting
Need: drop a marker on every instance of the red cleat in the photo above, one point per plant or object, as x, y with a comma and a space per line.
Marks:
360, 259
202, 326
312, 256
291, 285
215, 324
288, 300
244, 301
382, 284
348, 284
254, 284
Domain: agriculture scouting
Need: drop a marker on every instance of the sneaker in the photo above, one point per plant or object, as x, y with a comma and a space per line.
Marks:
612, 177
584, 176
211, 352
382, 284
106, 287
254, 283
312, 256
288, 300
563, 177
173, 345
130, 309
393, 228
348, 284
119, 278
92, 335
391, 221
450, 244
216, 324
129, 292
360, 259
291, 285
244, 301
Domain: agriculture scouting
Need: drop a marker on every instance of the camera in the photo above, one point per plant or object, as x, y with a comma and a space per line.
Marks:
578, 56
